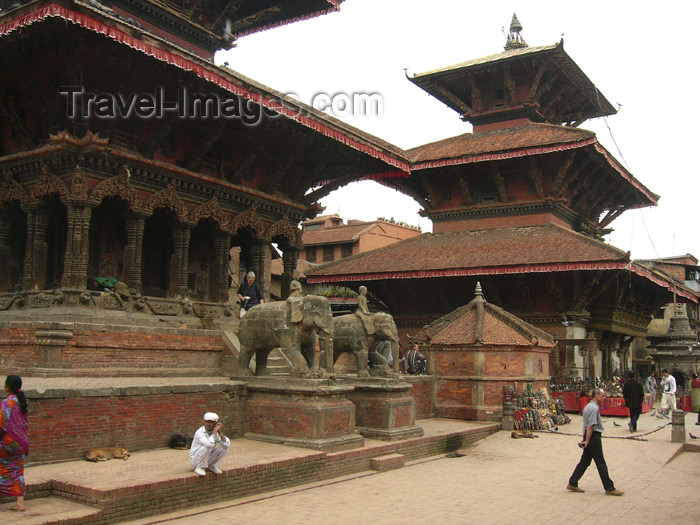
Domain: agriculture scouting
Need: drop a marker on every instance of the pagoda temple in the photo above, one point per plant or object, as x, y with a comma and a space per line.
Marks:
521, 204
127, 154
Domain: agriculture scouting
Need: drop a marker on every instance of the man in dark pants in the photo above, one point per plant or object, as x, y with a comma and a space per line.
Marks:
634, 395
592, 446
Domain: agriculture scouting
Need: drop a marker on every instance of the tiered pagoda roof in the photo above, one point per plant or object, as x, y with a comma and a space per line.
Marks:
499, 251
483, 90
202, 26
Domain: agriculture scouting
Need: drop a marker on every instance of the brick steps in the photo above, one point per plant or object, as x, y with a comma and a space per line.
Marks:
159, 481
50, 511
388, 462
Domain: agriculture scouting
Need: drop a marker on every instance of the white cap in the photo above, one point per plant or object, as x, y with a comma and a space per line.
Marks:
211, 416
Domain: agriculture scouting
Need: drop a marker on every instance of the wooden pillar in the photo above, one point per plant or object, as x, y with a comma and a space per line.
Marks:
234, 272
218, 285
75, 260
260, 253
36, 252
289, 264
591, 355
5, 226
177, 280
133, 251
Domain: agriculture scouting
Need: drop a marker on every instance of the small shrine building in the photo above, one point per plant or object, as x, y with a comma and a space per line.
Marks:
475, 352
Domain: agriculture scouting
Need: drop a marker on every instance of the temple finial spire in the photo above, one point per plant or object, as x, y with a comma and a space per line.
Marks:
515, 39
478, 293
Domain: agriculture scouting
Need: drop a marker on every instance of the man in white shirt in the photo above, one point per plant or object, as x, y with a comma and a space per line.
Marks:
668, 398
209, 446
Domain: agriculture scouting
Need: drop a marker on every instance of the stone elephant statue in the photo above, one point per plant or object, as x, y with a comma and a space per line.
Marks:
350, 335
268, 326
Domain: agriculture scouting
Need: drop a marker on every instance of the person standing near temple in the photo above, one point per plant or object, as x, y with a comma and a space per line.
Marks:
14, 441
651, 386
668, 396
695, 384
634, 396
592, 446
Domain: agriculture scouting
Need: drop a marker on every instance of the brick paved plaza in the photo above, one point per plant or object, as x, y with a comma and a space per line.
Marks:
498, 480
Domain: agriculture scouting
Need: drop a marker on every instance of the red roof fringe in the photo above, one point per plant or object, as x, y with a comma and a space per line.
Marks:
625, 174
54, 10
544, 268
501, 156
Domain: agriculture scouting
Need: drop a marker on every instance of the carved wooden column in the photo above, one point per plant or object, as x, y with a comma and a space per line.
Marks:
218, 286
262, 260
133, 251
77, 247
234, 271
592, 345
5, 226
35, 259
177, 280
289, 264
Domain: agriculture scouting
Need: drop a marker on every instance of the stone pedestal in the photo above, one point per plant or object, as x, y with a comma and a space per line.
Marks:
384, 408
678, 426
309, 413
507, 421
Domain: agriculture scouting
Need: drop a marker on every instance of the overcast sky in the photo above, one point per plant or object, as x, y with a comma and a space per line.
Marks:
641, 55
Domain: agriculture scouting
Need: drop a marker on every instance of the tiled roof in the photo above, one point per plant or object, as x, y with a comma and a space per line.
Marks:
336, 234
544, 245
480, 322
276, 267
502, 140
511, 53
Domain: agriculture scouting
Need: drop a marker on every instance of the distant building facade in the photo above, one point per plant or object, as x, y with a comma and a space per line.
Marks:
327, 238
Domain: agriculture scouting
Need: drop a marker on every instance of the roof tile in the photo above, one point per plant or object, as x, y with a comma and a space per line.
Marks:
516, 246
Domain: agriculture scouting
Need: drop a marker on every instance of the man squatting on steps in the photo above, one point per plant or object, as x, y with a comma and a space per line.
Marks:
209, 446
592, 446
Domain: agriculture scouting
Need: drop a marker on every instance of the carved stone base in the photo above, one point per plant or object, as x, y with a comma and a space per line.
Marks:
308, 413
384, 408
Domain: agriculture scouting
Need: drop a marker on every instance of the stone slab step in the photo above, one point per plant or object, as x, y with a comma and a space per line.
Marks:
49, 511
388, 462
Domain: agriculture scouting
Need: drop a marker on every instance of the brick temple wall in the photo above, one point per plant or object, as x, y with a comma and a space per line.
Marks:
64, 424
142, 351
469, 381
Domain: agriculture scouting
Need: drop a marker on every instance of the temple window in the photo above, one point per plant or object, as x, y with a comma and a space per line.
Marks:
346, 250
328, 254
311, 254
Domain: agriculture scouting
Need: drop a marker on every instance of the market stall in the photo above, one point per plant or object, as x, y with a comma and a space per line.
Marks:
615, 406
535, 410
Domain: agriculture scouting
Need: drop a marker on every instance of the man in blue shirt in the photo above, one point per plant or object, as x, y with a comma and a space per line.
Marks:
592, 446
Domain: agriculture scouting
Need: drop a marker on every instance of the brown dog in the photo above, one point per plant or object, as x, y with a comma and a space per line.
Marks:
105, 453
517, 434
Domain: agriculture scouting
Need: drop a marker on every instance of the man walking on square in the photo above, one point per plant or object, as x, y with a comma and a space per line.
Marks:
634, 396
668, 397
592, 446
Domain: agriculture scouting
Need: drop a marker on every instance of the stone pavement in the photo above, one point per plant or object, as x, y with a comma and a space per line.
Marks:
498, 480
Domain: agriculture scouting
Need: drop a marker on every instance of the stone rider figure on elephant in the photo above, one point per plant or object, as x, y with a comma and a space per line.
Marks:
363, 312
295, 301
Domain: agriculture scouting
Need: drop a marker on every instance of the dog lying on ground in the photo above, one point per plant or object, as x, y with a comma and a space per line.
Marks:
517, 434
105, 453
179, 442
